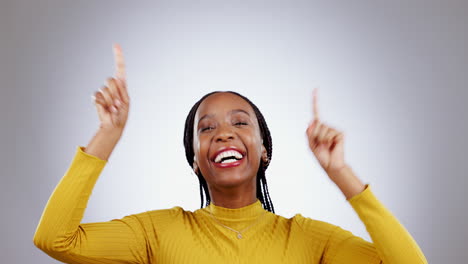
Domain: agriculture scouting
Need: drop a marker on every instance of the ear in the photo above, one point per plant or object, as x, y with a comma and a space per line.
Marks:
264, 153
196, 169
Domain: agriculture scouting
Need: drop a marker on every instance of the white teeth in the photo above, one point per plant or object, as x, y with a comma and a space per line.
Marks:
228, 153
229, 161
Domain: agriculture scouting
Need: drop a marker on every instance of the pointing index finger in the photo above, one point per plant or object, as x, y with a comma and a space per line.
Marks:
119, 62
315, 104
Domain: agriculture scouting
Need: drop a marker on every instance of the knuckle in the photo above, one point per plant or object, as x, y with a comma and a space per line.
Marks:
104, 90
112, 85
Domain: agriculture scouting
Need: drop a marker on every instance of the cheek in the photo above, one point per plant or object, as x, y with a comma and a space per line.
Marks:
256, 146
197, 146
201, 148
196, 150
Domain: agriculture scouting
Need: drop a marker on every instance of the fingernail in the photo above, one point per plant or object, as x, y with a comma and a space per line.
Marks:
113, 109
93, 98
117, 102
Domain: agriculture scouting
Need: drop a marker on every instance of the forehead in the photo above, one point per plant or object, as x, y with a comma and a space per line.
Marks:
222, 103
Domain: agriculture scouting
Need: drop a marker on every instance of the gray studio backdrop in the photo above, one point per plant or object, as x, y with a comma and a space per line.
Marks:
392, 77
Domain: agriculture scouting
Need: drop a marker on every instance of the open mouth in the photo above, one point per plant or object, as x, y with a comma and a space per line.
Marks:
228, 158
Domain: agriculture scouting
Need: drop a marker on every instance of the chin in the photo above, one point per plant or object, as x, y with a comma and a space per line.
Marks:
228, 180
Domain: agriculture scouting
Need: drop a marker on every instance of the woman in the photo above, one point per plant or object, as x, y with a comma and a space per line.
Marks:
228, 145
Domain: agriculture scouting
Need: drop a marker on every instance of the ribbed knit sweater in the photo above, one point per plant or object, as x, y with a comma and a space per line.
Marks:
176, 235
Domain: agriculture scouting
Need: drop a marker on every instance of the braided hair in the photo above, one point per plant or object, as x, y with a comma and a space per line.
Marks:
262, 187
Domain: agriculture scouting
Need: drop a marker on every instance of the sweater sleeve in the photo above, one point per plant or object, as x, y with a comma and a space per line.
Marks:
391, 241
60, 234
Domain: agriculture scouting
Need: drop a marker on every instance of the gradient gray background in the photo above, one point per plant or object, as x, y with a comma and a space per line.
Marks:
392, 77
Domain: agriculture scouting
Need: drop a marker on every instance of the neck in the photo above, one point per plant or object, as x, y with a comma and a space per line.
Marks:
233, 197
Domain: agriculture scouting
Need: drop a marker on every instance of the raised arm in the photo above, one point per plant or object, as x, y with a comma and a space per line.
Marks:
391, 241
59, 232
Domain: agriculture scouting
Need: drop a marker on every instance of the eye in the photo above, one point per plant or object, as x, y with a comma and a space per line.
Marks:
206, 128
240, 124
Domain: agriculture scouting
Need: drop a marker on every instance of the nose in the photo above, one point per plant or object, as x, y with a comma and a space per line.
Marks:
224, 133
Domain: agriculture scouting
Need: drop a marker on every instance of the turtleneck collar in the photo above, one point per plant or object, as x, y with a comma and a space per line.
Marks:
250, 211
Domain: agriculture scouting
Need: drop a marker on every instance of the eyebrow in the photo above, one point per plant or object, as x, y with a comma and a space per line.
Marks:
234, 111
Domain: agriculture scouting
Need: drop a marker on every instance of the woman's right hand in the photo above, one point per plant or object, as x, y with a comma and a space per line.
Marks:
112, 101
112, 104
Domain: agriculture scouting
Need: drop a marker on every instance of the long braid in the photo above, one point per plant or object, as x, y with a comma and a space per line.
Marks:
201, 196
260, 190
267, 194
262, 187
203, 191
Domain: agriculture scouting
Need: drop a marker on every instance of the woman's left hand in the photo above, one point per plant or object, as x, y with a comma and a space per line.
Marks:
326, 143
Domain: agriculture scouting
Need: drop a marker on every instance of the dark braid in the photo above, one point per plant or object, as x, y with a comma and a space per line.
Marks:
262, 187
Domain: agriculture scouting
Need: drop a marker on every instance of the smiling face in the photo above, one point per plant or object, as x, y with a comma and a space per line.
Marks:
227, 141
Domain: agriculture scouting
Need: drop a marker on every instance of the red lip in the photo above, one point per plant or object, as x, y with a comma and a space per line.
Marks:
228, 165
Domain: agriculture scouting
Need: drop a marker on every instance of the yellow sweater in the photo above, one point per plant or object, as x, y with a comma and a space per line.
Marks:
178, 236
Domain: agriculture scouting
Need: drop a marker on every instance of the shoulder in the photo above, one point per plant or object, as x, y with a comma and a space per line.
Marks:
323, 230
314, 227
169, 213
159, 218
175, 211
